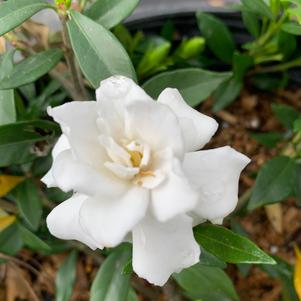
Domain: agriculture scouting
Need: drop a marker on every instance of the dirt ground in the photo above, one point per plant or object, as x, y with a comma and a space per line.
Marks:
31, 276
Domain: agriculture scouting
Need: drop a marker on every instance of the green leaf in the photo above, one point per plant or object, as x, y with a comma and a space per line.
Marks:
15, 12
274, 182
132, 296
210, 260
32, 241
110, 12
229, 246
286, 115
19, 140
258, 7
128, 267
297, 185
65, 278
194, 84
10, 240
217, 35
190, 48
269, 139
29, 203
97, 50
31, 68
292, 28
251, 22
206, 283
110, 284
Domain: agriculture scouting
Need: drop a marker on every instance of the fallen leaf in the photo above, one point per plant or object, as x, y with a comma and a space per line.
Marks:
274, 214
5, 221
7, 183
297, 273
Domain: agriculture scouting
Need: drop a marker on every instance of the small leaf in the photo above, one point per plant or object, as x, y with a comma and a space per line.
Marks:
6, 221
217, 35
194, 84
269, 139
128, 267
31, 68
8, 183
110, 284
292, 28
65, 278
10, 240
15, 12
251, 22
210, 260
274, 182
99, 53
190, 48
109, 13
32, 241
258, 7
29, 203
297, 272
206, 283
297, 186
229, 246
286, 115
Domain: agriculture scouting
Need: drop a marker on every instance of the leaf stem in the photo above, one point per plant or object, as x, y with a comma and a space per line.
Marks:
69, 56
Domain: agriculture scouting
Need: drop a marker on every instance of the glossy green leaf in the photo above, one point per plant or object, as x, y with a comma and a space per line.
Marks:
99, 53
65, 278
251, 22
10, 240
194, 84
274, 182
190, 48
217, 35
19, 140
229, 246
285, 114
210, 260
259, 7
32, 241
110, 12
31, 68
29, 203
15, 12
206, 283
110, 284
269, 139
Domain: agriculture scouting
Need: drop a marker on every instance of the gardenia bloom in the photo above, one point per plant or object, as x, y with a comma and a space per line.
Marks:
138, 175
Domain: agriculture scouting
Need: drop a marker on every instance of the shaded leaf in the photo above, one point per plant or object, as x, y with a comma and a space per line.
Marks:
285, 114
194, 84
97, 50
10, 240
274, 182
110, 12
259, 7
269, 139
8, 183
6, 221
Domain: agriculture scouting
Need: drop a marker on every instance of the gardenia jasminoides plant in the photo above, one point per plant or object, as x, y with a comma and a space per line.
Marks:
137, 175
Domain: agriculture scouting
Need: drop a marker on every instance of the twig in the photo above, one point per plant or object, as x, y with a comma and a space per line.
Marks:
7, 206
75, 73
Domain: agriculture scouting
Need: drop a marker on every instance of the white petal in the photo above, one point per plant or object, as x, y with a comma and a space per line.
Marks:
197, 128
112, 96
61, 145
215, 173
70, 174
122, 171
78, 120
173, 196
108, 220
160, 249
63, 222
155, 124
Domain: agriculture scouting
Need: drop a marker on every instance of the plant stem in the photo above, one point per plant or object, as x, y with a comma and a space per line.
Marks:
171, 291
7, 206
75, 73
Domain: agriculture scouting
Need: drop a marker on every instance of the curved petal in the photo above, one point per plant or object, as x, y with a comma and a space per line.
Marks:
215, 173
109, 219
61, 145
197, 128
155, 124
173, 196
113, 94
69, 174
63, 222
78, 120
160, 249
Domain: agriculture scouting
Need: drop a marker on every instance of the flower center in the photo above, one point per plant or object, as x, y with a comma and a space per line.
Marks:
136, 158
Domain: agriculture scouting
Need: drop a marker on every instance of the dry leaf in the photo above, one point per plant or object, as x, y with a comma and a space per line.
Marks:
39, 31
297, 273
274, 214
2, 45
6, 221
7, 183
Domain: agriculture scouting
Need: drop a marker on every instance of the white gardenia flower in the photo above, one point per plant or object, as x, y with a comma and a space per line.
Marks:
138, 175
